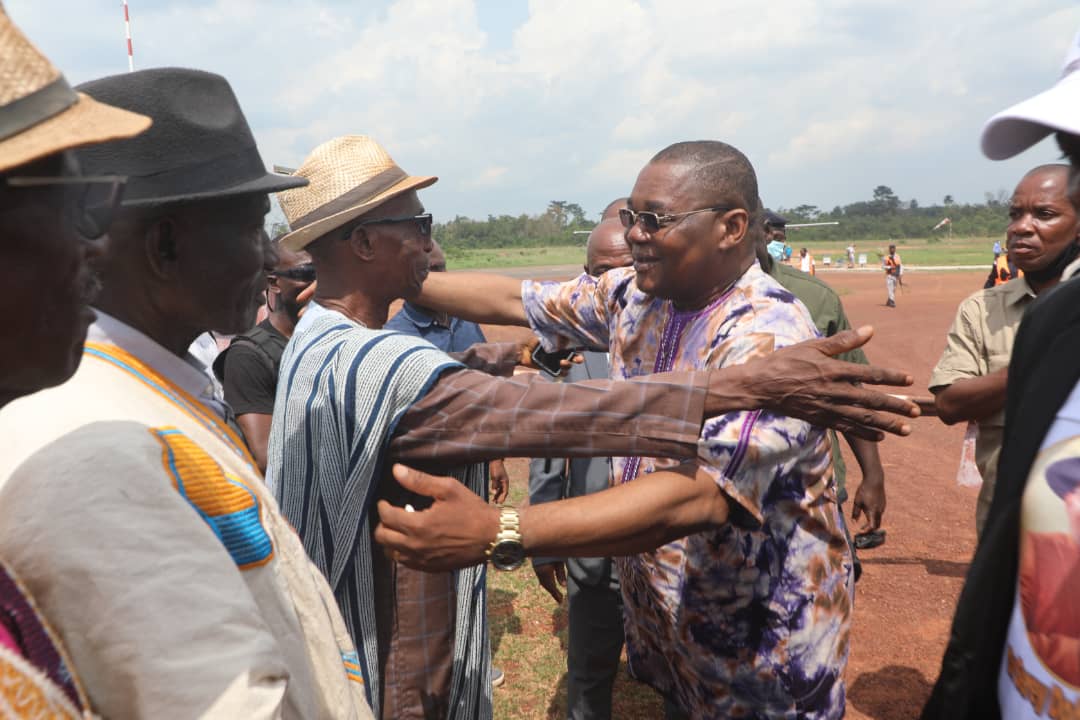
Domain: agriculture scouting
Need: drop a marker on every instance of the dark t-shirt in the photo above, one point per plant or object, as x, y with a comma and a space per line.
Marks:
250, 369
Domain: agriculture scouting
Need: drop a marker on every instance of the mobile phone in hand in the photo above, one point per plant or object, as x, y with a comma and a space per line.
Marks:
551, 363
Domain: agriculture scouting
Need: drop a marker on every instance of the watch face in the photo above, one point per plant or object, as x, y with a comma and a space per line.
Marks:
507, 555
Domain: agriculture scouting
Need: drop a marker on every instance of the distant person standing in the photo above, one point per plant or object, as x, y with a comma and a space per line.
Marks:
249, 367
997, 249
893, 270
851, 255
776, 236
806, 262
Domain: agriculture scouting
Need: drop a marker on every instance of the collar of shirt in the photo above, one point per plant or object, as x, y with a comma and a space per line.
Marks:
1016, 291
1070, 270
421, 318
187, 372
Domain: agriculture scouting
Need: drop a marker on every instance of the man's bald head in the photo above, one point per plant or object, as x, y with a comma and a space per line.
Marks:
722, 170
607, 248
613, 208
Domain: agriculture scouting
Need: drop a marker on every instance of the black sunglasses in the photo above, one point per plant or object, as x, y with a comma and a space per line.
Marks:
93, 200
652, 222
300, 273
423, 222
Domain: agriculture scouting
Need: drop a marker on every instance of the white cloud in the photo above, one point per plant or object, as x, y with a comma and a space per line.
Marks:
829, 98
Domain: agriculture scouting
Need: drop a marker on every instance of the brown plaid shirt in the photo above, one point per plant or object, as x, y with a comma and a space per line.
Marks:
469, 416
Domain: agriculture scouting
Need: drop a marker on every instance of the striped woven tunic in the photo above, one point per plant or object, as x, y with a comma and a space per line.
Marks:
342, 390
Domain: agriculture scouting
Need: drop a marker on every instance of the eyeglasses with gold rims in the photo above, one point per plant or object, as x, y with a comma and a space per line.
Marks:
652, 222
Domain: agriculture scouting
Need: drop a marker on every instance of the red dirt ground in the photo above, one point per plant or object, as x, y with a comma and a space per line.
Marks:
905, 599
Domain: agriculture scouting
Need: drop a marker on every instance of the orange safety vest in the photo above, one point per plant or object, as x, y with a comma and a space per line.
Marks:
891, 263
1001, 270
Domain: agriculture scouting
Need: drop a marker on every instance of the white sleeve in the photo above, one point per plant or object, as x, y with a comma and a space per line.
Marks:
153, 610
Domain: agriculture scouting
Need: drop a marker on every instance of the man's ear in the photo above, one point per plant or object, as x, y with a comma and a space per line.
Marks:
734, 227
160, 246
362, 244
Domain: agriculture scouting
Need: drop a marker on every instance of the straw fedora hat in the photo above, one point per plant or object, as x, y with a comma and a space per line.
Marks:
39, 112
348, 176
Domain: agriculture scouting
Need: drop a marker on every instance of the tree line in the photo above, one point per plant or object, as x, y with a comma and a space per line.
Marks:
887, 216
883, 216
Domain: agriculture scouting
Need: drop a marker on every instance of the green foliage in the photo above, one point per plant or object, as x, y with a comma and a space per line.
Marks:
555, 227
884, 216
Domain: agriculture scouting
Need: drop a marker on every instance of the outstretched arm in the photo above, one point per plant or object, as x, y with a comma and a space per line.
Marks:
469, 416
972, 398
624, 520
479, 297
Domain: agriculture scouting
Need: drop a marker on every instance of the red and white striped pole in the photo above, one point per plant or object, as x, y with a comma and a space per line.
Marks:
127, 27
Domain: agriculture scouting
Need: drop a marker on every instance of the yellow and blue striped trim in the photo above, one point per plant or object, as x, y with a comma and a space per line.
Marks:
351, 660
222, 500
171, 392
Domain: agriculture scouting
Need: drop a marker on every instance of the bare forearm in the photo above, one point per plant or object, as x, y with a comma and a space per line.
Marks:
479, 297
972, 398
867, 455
631, 518
256, 429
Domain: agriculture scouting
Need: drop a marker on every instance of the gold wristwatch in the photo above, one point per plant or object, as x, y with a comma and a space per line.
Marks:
506, 551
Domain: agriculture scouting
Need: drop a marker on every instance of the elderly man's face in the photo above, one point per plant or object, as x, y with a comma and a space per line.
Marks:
1042, 220
46, 279
221, 260
680, 262
402, 249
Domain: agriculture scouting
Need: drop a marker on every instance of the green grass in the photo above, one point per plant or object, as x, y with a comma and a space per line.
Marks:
494, 258
528, 640
946, 252
939, 251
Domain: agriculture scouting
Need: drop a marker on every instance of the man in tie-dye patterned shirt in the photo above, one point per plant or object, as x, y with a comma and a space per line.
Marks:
750, 616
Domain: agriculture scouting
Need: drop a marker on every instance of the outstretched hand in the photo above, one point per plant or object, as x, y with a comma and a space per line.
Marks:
453, 533
807, 382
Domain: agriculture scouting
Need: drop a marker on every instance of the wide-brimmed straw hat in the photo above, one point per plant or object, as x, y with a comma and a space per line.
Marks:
199, 148
348, 176
40, 114
1058, 109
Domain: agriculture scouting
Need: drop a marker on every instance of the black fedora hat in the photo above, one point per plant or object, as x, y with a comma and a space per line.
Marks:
199, 147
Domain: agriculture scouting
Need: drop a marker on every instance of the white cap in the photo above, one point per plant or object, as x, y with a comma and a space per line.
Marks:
1014, 130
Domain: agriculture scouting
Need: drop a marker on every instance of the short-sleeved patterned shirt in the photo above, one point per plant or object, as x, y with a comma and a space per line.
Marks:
750, 619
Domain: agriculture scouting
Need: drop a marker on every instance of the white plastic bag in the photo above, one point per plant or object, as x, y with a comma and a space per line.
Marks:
968, 475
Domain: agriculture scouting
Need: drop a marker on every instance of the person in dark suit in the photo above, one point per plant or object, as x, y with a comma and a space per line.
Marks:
592, 585
983, 675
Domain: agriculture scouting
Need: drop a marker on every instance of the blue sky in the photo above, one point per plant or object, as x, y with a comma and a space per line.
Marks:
513, 103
